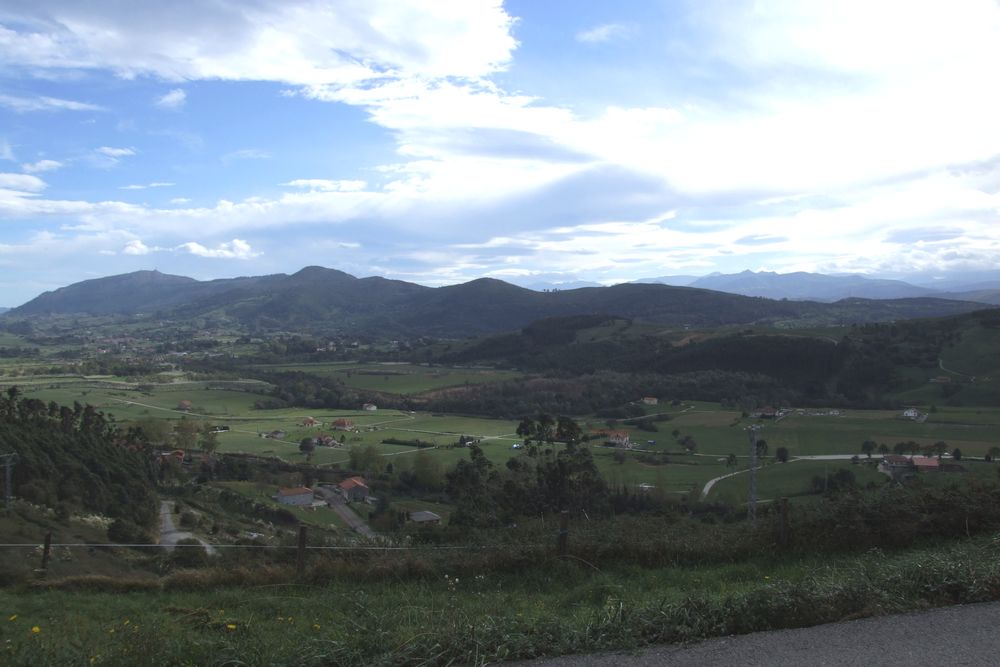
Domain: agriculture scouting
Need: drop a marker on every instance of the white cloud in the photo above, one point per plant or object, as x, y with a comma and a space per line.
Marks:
174, 99
21, 183
307, 43
180, 200
146, 186
603, 33
6, 152
136, 247
41, 165
325, 185
24, 104
235, 249
115, 152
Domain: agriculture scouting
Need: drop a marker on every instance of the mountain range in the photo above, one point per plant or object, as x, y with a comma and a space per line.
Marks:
803, 286
322, 300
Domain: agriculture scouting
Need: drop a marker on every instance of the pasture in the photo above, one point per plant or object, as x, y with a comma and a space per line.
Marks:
397, 378
716, 432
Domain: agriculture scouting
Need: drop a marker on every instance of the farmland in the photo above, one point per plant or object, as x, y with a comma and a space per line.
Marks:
717, 433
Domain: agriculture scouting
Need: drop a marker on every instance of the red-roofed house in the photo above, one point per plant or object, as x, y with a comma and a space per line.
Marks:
311, 421
650, 400
354, 489
298, 495
343, 424
927, 463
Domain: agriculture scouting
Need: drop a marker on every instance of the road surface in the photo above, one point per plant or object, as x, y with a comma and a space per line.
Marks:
963, 635
170, 536
350, 517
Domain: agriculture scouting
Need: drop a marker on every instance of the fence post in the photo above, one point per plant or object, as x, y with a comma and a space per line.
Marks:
300, 560
46, 550
563, 533
783, 531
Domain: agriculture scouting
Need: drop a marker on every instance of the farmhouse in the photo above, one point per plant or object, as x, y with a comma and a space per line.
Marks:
370, 407
343, 424
354, 489
311, 421
298, 495
911, 413
927, 463
650, 400
184, 406
616, 438
425, 518
897, 467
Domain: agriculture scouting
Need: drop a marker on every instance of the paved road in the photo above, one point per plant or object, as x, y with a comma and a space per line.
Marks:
350, 517
963, 635
170, 536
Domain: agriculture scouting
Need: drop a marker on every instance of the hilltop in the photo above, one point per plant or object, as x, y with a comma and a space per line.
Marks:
321, 299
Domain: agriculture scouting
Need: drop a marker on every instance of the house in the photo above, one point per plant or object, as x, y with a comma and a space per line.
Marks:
354, 489
616, 438
276, 435
311, 421
765, 413
184, 406
370, 407
650, 400
343, 425
298, 495
911, 413
927, 463
174, 455
425, 518
897, 467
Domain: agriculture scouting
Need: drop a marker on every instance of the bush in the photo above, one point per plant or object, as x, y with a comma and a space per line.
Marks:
124, 531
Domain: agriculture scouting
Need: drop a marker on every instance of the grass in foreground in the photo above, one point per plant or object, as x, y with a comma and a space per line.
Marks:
553, 607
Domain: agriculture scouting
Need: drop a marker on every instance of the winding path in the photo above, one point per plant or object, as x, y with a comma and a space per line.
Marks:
170, 536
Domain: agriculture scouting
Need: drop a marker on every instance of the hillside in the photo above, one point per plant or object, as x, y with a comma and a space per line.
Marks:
318, 299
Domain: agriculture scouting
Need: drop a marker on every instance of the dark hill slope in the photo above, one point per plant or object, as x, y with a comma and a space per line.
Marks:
317, 299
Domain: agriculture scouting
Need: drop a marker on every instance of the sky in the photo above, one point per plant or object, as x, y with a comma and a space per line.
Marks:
531, 141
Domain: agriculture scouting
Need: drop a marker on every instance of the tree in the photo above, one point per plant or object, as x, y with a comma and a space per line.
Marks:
185, 433
781, 454
867, 447
761, 448
883, 449
956, 454
307, 446
993, 453
208, 440
157, 431
939, 448
731, 460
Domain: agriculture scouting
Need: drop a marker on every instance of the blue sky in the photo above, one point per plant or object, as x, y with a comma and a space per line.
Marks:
443, 141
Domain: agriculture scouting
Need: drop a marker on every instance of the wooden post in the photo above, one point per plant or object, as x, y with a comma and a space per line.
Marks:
563, 533
46, 550
783, 534
300, 560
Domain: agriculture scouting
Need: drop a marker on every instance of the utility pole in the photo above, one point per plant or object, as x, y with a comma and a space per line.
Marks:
9, 460
752, 503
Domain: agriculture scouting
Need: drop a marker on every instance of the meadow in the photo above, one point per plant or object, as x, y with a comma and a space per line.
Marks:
554, 607
397, 378
717, 432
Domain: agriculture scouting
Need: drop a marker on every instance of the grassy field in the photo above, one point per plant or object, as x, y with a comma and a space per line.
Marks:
717, 432
777, 480
551, 609
397, 378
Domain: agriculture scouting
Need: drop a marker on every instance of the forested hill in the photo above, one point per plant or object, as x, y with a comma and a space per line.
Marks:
73, 458
317, 299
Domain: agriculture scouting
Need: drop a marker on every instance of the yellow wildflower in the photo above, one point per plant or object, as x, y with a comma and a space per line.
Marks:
230, 626
13, 617
36, 630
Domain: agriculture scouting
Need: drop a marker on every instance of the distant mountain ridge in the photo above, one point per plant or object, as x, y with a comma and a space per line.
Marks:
318, 299
804, 286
